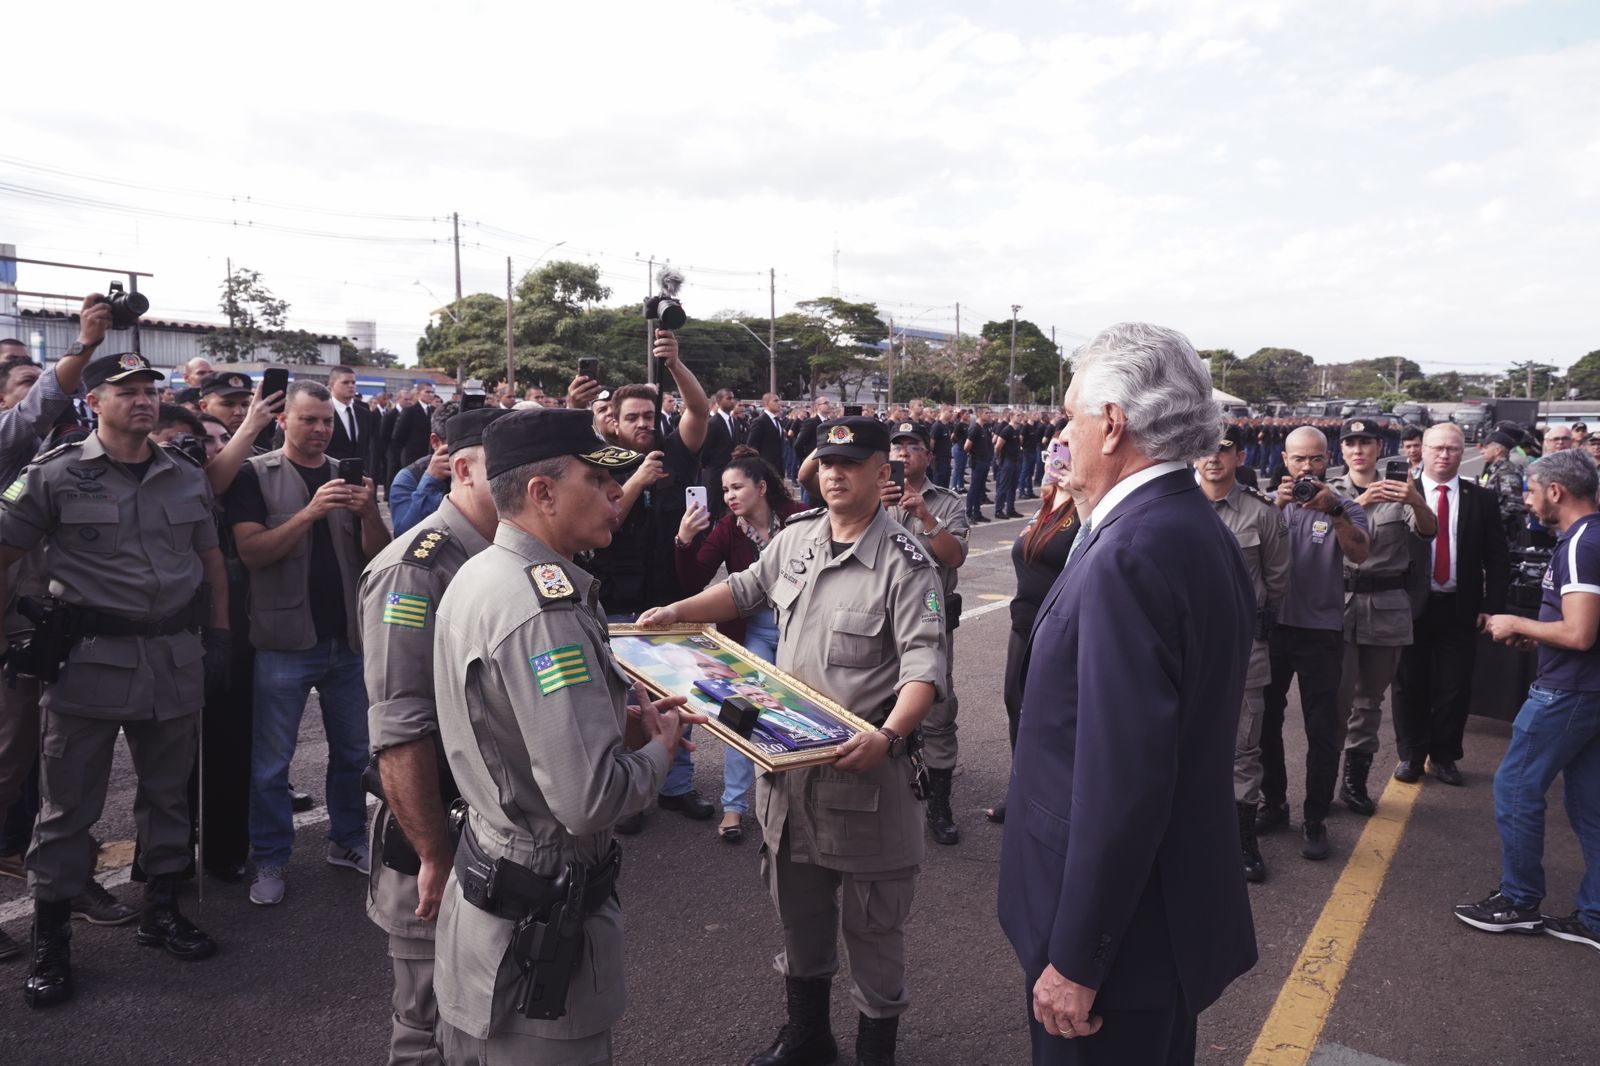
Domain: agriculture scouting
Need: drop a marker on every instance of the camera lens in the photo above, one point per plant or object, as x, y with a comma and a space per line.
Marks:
672, 315
1304, 490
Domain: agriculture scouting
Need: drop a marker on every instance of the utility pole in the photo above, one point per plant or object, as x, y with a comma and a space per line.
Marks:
772, 331
650, 326
889, 353
1061, 370
455, 225
1397, 373
956, 351
1530, 379
511, 366
229, 290
1011, 377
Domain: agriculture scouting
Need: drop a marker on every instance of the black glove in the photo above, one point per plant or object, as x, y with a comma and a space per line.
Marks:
219, 660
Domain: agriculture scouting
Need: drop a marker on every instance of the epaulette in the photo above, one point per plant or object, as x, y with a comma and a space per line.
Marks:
178, 453
908, 544
551, 584
814, 512
938, 489
58, 450
1250, 490
424, 550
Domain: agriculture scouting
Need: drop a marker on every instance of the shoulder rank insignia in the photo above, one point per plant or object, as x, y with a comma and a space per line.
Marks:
178, 453
913, 550
1258, 494
14, 490
58, 450
796, 517
550, 583
424, 550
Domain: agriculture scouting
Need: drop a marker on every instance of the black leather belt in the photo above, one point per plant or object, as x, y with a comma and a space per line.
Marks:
512, 891
1374, 582
92, 623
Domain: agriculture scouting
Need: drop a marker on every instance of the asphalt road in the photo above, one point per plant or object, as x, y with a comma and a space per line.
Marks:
308, 982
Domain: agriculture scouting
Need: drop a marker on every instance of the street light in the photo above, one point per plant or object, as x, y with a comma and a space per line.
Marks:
1011, 377
772, 355
443, 307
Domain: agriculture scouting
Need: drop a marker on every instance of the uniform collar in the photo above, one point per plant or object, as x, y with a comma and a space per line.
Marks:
93, 448
865, 549
456, 522
535, 550
1231, 499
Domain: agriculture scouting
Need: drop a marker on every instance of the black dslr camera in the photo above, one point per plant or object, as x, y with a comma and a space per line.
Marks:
664, 307
126, 307
1305, 489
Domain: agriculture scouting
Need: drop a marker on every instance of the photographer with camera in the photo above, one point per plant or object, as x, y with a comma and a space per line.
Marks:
1324, 532
1377, 613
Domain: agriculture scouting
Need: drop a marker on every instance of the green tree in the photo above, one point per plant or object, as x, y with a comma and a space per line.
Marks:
295, 346
1037, 361
843, 336
1585, 376
471, 334
1223, 363
1438, 388
254, 315
1277, 374
1530, 379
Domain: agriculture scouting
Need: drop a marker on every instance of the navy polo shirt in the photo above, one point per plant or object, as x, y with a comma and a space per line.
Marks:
1575, 567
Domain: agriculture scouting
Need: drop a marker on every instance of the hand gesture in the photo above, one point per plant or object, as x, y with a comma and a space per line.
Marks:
1062, 1006
666, 348
695, 521
662, 720
582, 391
659, 616
1285, 493
889, 494
650, 471
333, 494
1500, 627
94, 321
261, 412
863, 752
439, 465
363, 500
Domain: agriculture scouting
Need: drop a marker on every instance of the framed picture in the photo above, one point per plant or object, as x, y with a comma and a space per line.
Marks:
795, 725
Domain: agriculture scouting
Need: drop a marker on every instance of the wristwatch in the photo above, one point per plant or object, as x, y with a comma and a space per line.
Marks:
1338, 509
937, 528
897, 742
78, 348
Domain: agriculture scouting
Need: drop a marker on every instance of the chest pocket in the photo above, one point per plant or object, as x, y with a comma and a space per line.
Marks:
183, 520
89, 526
856, 638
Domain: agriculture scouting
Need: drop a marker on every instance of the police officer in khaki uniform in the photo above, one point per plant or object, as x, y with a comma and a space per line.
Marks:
937, 517
1377, 605
1258, 525
532, 709
860, 620
399, 592
128, 544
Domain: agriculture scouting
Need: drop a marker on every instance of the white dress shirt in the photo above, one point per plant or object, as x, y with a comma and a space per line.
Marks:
1120, 491
341, 412
1430, 492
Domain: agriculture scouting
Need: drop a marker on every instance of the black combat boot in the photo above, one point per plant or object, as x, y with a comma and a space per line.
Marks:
875, 1040
806, 1039
1255, 867
162, 926
940, 820
50, 981
1357, 765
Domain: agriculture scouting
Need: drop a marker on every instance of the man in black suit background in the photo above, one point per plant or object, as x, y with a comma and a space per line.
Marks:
765, 434
353, 434
1114, 891
412, 429
722, 435
1469, 570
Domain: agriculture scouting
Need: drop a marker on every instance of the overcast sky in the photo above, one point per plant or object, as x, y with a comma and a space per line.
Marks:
1356, 179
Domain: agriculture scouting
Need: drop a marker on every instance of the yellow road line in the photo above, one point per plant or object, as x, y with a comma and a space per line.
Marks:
1307, 997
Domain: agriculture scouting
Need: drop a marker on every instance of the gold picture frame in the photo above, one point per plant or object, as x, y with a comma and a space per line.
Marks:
666, 660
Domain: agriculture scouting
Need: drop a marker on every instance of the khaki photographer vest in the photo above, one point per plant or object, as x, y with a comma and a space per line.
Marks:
280, 594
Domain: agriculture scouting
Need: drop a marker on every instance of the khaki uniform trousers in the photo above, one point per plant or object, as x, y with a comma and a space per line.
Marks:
74, 773
522, 1049
1247, 749
1368, 671
416, 1015
875, 909
939, 725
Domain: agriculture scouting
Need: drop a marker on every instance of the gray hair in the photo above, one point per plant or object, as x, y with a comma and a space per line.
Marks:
509, 488
1164, 388
1572, 469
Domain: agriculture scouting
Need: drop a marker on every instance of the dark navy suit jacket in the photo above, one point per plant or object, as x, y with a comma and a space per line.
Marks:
1121, 858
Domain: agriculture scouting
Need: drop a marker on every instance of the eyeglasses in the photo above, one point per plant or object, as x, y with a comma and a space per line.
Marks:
1443, 449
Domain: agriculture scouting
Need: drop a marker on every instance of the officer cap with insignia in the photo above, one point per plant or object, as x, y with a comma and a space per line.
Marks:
912, 430
465, 430
229, 383
110, 369
1359, 427
523, 437
857, 437
1232, 437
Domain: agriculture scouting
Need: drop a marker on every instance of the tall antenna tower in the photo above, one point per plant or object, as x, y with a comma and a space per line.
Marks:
835, 264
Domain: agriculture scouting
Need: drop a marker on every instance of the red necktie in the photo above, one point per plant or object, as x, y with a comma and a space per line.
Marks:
1441, 540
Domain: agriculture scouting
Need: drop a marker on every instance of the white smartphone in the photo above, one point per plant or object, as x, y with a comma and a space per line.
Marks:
695, 494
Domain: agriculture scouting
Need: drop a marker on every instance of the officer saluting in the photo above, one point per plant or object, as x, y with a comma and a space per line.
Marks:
531, 712
128, 543
399, 593
859, 619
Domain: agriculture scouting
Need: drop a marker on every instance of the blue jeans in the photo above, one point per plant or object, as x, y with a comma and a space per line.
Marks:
1005, 485
680, 775
1030, 464
958, 467
975, 486
738, 772
283, 680
1555, 732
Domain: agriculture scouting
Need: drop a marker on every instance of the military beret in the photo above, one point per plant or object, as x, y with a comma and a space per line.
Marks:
465, 430
228, 383
109, 369
523, 437
856, 437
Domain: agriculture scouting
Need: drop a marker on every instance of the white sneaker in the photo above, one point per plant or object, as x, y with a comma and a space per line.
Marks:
268, 887
356, 858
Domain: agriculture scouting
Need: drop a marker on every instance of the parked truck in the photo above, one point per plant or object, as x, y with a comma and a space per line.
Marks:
1478, 415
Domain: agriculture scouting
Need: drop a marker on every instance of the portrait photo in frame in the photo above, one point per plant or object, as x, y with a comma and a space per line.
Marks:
796, 726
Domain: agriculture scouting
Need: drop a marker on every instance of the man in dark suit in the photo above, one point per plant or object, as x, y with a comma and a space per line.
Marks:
1119, 883
766, 431
1469, 569
403, 398
722, 434
354, 435
412, 429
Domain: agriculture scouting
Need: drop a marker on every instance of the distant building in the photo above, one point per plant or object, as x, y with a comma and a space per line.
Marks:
166, 343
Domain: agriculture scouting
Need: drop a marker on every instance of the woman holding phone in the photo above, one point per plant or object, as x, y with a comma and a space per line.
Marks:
758, 505
1038, 555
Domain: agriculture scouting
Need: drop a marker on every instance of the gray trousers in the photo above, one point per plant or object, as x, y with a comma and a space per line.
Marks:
521, 1049
412, 1040
939, 724
1368, 671
19, 738
874, 911
73, 775
1247, 750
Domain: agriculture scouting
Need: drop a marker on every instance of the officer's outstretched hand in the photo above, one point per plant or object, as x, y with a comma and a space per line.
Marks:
664, 719
659, 616
863, 752
94, 321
